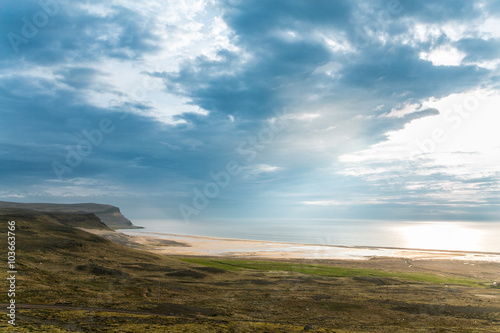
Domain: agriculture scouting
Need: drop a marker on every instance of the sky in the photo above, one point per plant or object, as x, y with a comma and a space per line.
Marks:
232, 109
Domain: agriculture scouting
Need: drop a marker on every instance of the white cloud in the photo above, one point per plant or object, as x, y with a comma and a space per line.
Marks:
462, 143
403, 110
258, 170
188, 29
303, 116
489, 28
77, 187
12, 195
322, 203
331, 69
444, 56
265, 168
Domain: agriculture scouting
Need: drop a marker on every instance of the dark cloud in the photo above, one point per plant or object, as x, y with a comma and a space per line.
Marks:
479, 49
397, 70
79, 77
281, 70
257, 18
64, 33
429, 11
252, 89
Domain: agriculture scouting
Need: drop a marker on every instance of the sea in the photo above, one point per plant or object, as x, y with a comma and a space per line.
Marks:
429, 235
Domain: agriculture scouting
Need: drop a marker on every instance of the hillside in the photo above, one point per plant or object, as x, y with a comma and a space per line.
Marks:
80, 220
69, 280
109, 215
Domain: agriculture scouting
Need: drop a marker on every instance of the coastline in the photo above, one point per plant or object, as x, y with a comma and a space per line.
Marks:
189, 245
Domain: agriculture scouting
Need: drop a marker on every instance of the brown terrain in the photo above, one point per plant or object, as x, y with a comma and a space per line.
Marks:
70, 280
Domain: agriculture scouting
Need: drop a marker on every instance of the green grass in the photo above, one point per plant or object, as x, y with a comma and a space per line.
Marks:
323, 270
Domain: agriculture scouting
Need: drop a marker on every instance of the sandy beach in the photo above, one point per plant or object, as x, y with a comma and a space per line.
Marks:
186, 245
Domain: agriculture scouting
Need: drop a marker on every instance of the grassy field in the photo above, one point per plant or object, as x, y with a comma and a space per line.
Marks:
73, 281
322, 270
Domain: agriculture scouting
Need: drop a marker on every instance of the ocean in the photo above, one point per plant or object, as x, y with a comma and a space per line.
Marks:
432, 235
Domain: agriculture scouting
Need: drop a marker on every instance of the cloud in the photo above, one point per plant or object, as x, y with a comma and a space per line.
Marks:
184, 83
438, 159
429, 11
260, 172
71, 32
478, 49
408, 108
79, 77
322, 203
444, 56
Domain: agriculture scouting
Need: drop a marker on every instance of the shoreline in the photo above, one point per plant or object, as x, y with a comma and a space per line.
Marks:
311, 244
189, 245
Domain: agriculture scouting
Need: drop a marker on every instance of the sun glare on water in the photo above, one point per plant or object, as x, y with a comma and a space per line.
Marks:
441, 236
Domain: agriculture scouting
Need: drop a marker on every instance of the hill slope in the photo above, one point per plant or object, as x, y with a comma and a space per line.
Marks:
69, 280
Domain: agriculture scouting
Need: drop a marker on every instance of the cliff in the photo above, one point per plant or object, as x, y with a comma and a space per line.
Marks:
109, 215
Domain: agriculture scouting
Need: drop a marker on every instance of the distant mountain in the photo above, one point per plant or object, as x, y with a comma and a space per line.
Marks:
107, 214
